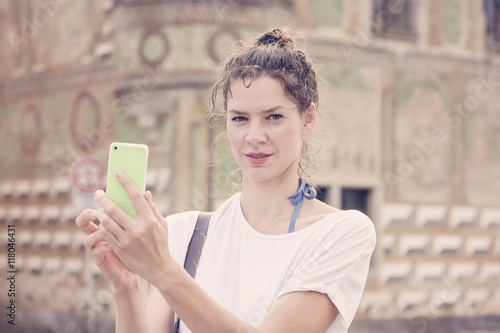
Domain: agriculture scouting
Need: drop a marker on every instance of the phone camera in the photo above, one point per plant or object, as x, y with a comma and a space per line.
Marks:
116, 148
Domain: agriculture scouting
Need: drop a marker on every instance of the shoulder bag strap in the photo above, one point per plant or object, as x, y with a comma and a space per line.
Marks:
194, 250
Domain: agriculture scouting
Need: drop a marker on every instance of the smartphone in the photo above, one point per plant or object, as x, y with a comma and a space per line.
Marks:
132, 159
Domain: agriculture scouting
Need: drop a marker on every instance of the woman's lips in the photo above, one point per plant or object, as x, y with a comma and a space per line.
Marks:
257, 159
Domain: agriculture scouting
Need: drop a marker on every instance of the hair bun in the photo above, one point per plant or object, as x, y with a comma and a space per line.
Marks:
279, 37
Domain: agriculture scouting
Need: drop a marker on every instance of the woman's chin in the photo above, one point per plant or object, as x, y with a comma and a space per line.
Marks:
258, 176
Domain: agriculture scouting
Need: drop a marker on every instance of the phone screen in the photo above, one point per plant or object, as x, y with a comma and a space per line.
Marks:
132, 159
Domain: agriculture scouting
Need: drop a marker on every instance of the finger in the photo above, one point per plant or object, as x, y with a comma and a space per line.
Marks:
92, 240
136, 196
84, 221
110, 229
113, 210
98, 253
101, 249
149, 199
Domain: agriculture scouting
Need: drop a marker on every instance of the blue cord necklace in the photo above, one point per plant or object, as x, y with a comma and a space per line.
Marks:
307, 191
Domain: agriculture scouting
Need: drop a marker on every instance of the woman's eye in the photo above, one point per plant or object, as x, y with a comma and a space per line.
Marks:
238, 119
275, 116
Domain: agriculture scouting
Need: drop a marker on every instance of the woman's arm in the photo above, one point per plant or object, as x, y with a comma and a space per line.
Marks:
130, 312
296, 312
142, 244
159, 314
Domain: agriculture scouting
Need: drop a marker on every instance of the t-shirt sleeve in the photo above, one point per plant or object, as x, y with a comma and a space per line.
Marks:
338, 267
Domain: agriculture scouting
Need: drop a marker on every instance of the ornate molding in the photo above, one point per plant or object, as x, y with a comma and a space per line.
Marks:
213, 41
154, 60
49, 82
30, 130
348, 52
186, 13
84, 119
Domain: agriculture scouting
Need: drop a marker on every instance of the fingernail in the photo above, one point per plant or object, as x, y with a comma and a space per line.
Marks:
98, 193
93, 215
119, 174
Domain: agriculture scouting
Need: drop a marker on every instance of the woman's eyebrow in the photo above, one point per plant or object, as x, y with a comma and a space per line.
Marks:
236, 112
271, 110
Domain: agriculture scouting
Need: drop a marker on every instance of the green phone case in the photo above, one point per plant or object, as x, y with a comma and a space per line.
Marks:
132, 159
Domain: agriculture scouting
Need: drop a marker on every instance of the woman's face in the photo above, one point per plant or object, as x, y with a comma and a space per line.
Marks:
265, 129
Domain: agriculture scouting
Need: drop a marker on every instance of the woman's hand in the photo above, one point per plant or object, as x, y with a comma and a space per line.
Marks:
141, 242
105, 258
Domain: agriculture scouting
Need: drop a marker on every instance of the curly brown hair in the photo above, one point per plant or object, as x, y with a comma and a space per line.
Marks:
272, 54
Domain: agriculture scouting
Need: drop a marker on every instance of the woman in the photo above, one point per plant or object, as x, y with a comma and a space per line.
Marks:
273, 261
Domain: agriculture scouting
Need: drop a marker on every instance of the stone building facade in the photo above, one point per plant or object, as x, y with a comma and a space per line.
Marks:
410, 130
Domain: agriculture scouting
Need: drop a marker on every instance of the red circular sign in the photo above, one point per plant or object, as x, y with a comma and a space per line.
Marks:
88, 175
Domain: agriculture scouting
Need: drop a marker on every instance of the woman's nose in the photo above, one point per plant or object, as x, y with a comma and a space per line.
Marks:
256, 133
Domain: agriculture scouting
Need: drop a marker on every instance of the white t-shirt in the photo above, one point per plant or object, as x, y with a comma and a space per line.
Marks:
246, 271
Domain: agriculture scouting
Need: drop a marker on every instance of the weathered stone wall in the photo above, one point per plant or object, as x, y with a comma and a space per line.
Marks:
409, 113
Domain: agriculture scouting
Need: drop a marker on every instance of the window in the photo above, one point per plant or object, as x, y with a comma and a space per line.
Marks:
356, 199
323, 193
394, 19
359, 199
492, 13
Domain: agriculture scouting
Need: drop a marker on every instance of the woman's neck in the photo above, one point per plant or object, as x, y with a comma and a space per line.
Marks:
266, 203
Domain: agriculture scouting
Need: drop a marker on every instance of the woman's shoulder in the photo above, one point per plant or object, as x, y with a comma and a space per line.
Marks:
350, 224
189, 218
347, 219
182, 217
182, 221
319, 207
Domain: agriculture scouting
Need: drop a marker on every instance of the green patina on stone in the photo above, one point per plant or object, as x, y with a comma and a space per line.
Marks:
328, 12
451, 20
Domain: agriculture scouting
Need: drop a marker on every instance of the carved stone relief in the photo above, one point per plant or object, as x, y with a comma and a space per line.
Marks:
30, 129
63, 33
422, 142
482, 153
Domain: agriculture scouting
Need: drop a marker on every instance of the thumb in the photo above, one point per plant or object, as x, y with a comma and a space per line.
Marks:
149, 198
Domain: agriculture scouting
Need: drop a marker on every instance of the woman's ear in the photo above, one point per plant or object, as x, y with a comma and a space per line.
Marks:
309, 119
